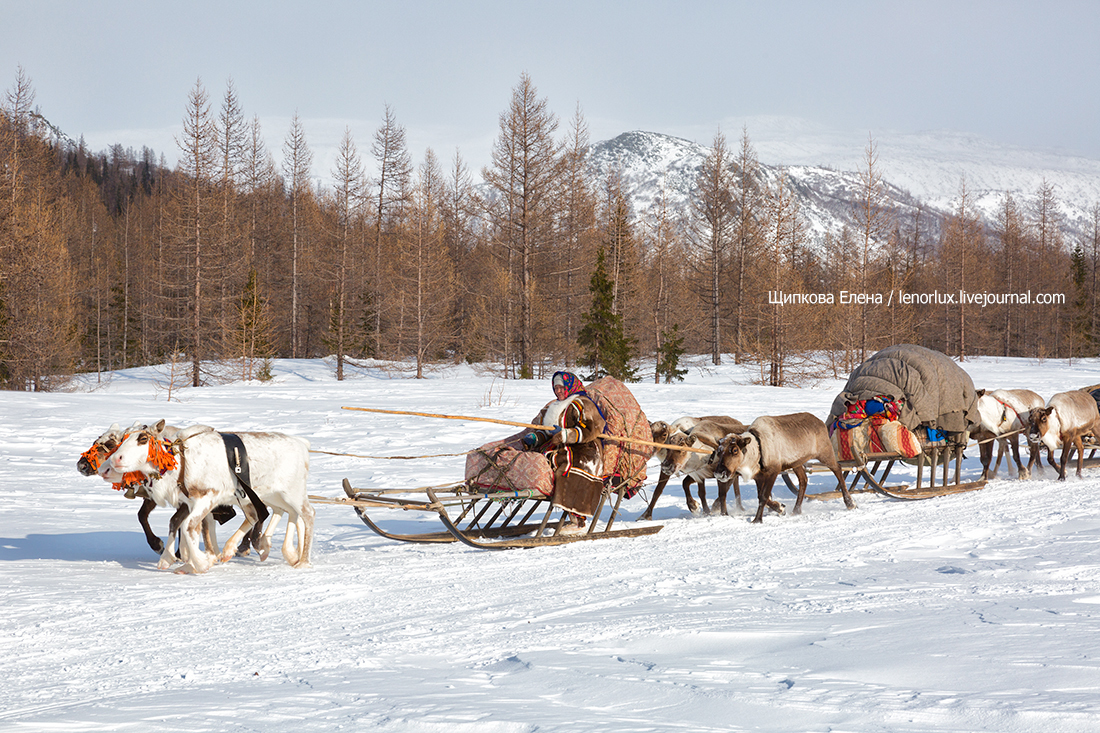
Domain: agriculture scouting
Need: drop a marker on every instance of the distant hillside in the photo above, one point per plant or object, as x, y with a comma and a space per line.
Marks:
918, 170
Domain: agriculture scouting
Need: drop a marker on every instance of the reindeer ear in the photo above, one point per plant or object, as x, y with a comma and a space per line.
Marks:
159, 427
980, 392
115, 427
743, 442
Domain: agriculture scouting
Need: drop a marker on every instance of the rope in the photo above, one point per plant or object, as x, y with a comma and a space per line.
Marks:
616, 438
393, 458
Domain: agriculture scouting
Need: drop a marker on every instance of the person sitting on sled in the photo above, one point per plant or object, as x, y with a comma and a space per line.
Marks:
572, 441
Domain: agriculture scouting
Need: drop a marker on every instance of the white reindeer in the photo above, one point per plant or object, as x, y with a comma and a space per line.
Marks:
1006, 411
279, 468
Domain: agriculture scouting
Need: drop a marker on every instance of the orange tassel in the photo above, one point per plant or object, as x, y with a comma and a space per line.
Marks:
161, 456
129, 479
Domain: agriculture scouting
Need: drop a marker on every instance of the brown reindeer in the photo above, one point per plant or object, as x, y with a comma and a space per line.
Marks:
673, 460
1067, 418
772, 445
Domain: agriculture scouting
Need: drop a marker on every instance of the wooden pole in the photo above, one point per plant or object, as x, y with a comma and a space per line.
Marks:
616, 438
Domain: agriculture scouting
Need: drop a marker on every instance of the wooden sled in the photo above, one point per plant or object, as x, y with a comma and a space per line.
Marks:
875, 471
489, 520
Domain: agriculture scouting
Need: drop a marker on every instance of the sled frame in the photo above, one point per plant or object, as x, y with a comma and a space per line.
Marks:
487, 519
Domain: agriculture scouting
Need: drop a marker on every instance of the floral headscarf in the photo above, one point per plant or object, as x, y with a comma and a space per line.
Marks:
572, 384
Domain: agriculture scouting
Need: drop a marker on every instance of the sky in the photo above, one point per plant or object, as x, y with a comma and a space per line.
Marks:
1018, 73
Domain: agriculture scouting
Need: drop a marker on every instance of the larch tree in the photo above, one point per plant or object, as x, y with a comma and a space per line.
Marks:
785, 236
748, 204
232, 135
297, 162
575, 234
524, 176
390, 200
348, 177
426, 272
872, 223
711, 230
198, 161
37, 322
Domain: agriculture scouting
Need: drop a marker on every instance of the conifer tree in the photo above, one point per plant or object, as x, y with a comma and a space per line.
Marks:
607, 350
253, 331
668, 356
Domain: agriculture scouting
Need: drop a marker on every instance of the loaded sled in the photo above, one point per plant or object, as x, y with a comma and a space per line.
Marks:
905, 404
515, 496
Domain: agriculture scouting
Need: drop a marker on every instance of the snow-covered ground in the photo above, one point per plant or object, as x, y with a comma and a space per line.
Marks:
976, 612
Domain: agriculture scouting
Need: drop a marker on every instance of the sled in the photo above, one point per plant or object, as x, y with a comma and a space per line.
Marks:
490, 520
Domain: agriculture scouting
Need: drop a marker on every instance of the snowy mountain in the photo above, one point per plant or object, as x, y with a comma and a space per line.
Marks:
919, 169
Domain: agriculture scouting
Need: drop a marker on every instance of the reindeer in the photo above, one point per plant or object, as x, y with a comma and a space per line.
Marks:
279, 468
772, 445
1067, 418
1006, 411
153, 491
674, 434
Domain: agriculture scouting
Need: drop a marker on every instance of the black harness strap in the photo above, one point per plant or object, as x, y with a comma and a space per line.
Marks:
238, 463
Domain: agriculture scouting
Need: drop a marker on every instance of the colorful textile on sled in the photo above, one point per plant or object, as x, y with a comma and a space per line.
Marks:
503, 465
623, 463
871, 426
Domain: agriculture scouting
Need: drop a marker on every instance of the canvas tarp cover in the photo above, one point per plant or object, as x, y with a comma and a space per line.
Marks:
937, 392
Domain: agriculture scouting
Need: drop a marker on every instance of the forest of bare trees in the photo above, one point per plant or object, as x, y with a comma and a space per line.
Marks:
111, 259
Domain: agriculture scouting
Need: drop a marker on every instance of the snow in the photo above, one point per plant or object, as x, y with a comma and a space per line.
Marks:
974, 612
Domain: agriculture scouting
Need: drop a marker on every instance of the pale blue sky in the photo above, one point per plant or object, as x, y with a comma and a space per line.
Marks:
1019, 73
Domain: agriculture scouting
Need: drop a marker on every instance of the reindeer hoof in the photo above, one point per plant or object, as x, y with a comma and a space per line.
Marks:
693, 507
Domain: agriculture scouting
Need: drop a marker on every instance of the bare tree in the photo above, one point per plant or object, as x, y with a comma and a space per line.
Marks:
872, 222
349, 200
391, 193
426, 270
711, 231
524, 177
297, 160
747, 198
198, 145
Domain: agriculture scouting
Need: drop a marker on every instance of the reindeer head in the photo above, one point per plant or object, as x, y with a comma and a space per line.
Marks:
675, 457
660, 430
142, 451
1045, 427
730, 456
91, 459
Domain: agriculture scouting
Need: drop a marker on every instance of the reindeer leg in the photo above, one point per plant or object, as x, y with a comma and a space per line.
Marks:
761, 502
648, 513
155, 542
1079, 445
704, 505
240, 536
197, 561
985, 454
720, 502
693, 506
1021, 472
1000, 453
265, 538
800, 472
167, 556
737, 492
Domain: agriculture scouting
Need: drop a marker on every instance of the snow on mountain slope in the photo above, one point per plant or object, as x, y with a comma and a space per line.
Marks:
921, 168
